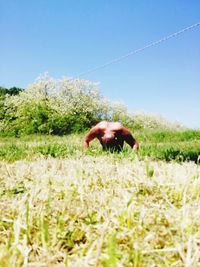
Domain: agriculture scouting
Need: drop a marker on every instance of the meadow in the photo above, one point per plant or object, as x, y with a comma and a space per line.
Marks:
63, 206
157, 144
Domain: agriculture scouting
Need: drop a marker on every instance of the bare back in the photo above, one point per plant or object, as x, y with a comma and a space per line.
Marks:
111, 135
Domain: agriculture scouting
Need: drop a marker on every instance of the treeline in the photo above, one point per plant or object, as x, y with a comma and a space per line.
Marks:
3, 93
62, 106
11, 91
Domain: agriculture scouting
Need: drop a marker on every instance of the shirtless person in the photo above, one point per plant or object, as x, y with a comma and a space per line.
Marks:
111, 135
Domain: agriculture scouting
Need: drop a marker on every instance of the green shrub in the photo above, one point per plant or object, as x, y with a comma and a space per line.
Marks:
12, 91
53, 107
59, 107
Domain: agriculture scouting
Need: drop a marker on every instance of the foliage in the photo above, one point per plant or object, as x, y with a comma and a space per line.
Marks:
3, 93
53, 107
12, 91
62, 106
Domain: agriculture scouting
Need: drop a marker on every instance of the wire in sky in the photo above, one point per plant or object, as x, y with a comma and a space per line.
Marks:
116, 60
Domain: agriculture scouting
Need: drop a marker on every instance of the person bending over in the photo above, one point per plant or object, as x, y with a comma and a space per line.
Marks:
111, 135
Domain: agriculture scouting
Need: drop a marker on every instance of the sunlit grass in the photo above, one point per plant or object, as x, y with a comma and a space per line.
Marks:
99, 211
63, 206
157, 145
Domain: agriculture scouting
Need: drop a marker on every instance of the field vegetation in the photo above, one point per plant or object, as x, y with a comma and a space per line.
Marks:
99, 209
157, 145
64, 206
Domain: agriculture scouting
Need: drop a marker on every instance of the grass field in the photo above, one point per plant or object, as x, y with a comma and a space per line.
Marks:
157, 145
62, 206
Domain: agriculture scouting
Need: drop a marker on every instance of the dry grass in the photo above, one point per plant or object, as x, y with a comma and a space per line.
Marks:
99, 211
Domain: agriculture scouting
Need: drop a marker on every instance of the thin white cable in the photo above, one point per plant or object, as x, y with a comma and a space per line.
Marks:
116, 60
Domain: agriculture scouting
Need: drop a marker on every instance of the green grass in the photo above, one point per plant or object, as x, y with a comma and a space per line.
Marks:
63, 206
157, 145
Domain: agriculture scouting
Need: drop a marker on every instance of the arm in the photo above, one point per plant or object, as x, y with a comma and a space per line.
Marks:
93, 133
130, 139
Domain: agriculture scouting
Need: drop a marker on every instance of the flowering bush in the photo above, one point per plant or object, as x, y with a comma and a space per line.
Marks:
61, 106
53, 107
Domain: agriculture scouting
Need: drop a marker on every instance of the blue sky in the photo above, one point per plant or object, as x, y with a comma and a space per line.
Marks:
66, 37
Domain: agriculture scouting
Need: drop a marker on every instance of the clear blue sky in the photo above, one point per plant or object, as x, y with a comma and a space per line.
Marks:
67, 37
